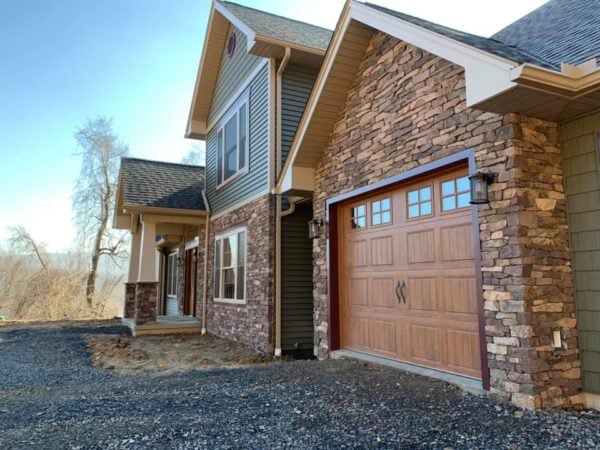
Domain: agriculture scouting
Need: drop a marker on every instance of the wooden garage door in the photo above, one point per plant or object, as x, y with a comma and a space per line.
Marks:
407, 275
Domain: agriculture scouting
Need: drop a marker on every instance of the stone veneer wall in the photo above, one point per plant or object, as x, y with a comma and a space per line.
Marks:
146, 296
407, 108
253, 322
129, 307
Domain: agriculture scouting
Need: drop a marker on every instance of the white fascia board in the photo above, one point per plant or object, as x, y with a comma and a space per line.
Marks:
486, 74
298, 179
196, 130
249, 32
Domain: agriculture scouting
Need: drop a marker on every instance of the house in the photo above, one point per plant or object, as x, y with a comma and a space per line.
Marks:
384, 134
256, 73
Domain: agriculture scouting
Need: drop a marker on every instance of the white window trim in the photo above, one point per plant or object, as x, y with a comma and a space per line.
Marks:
176, 254
233, 111
221, 236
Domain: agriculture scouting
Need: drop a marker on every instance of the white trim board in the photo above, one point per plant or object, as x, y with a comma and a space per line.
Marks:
239, 205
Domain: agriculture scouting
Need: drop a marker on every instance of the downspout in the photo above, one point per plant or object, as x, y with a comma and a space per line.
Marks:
278, 153
205, 293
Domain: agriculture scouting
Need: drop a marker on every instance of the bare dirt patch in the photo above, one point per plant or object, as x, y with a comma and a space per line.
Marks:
174, 353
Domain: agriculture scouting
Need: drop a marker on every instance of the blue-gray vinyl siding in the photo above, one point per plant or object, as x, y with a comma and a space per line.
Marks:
296, 281
296, 85
256, 180
234, 71
580, 140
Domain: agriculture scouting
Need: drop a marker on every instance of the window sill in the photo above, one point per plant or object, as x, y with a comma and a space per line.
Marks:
232, 178
229, 301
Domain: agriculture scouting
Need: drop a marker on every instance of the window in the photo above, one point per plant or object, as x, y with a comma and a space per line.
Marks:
172, 275
230, 267
456, 194
419, 202
381, 211
359, 217
232, 144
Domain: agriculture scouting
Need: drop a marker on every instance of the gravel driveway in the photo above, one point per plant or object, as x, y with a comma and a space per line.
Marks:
51, 397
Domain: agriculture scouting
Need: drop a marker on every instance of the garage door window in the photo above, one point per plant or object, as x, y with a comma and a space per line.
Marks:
455, 194
359, 217
381, 211
419, 202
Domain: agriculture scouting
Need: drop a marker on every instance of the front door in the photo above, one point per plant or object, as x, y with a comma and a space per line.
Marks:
191, 277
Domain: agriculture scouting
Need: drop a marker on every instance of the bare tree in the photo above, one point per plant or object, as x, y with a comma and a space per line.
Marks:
93, 199
21, 241
195, 156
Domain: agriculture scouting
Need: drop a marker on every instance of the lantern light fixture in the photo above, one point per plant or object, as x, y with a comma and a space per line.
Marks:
480, 188
314, 228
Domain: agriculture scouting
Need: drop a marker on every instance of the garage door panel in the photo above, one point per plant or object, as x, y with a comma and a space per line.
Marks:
420, 247
425, 344
421, 294
459, 295
358, 292
383, 336
382, 251
456, 242
358, 253
382, 293
463, 351
358, 333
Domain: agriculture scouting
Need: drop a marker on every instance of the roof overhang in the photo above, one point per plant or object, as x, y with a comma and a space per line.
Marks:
219, 22
492, 83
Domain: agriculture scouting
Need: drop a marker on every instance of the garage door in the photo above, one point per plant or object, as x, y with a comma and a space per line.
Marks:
407, 275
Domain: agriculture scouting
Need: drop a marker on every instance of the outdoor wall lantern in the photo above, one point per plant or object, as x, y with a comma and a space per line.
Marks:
314, 228
479, 188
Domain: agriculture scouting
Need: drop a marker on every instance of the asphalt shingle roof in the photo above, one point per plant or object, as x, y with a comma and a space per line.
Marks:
281, 28
559, 31
162, 184
490, 45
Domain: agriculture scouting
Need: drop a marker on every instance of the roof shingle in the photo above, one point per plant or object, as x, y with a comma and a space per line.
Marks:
560, 31
490, 45
281, 28
162, 184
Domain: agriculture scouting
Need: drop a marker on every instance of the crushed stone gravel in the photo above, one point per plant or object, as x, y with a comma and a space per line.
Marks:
52, 397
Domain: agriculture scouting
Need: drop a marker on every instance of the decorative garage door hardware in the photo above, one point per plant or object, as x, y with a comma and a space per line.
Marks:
401, 292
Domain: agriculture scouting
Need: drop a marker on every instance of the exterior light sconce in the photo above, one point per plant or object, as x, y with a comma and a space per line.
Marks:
314, 228
479, 188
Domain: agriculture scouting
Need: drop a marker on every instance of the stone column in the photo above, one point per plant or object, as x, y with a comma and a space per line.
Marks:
146, 296
129, 309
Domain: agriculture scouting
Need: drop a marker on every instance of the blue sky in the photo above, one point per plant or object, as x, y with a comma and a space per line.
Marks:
62, 61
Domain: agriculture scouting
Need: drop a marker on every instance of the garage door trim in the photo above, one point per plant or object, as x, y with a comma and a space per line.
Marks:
332, 211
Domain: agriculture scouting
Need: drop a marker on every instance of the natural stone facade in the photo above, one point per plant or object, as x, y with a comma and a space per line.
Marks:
146, 296
129, 306
252, 322
407, 108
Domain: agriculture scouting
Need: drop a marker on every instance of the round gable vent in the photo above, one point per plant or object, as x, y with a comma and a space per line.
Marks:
231, 45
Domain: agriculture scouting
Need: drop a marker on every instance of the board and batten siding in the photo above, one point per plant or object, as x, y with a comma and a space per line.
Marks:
296, 85
580, 141
256, 180
234, 71
297, 329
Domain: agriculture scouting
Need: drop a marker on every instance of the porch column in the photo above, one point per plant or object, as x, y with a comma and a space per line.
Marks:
134, 259
146, 290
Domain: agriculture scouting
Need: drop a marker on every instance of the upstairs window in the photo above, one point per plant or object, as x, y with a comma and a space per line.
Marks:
232, 144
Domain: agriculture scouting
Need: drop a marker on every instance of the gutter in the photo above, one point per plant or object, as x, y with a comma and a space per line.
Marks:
205, 293
278, 213
571, 83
